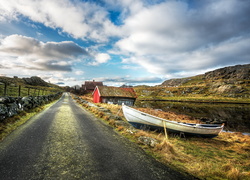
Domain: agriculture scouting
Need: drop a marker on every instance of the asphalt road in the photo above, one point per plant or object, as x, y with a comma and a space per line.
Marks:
67, 142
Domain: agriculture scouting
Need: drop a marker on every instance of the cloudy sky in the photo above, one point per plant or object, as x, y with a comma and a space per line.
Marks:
121, 41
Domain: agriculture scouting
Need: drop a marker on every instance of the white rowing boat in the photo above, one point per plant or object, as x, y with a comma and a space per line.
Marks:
143, 120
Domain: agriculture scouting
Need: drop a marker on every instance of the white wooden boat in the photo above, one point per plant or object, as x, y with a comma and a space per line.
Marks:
143, 120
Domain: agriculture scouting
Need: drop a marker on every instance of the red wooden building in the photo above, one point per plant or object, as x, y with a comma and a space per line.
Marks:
114, 95
89, 86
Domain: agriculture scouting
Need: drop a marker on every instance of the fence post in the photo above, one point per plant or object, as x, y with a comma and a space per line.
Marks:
5, 89
19, 90
28, 91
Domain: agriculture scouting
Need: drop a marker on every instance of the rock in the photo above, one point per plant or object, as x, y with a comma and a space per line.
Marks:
10, 106
3, 100
3, 111
13, 109
175, 82
103, 109
148, 141
92, 105
131, 130
27, 102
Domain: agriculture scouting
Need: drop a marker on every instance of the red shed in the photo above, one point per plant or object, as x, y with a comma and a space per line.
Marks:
114, 95
89, 86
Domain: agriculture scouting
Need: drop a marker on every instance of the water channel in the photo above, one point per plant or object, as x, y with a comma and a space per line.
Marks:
235, 116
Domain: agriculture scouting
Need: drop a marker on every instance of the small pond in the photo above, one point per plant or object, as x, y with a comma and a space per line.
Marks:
235, 116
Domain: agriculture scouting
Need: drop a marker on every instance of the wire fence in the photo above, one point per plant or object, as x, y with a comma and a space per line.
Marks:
21, 91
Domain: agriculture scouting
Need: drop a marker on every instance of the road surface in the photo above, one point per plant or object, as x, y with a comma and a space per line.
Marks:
67, 142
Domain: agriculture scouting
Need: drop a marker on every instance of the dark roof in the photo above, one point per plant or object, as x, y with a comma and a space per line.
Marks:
108, 91
90, 85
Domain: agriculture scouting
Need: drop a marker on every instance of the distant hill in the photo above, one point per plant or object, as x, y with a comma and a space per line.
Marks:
227, 82
32, 81
231, 73
35, 81
175, 82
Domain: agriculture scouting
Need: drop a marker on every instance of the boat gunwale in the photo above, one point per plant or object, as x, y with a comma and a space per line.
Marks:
200, 126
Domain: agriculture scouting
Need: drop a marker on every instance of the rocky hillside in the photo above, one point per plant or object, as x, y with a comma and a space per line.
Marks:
230, 74
175, 82
32, 81
239, 72
229, 82
35, 81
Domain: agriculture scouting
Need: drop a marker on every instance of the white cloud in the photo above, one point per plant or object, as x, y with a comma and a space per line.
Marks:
59, 78
29, 53
79, 72
172, 36
84, 20
118, 81
100, 58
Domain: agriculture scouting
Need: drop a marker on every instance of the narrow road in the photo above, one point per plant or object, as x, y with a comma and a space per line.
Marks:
67, 142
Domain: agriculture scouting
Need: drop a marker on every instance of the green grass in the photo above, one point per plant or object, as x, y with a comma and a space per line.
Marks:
197, 98
198, 90
212, 98
28, 90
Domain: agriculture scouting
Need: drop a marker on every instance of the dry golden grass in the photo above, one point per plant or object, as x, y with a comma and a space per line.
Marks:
120, 128
111, 122
223, 157
106, 118
114, 108
87, 97
165, 147
219, 157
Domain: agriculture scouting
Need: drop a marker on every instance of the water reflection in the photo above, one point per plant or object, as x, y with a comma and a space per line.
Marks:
235, 116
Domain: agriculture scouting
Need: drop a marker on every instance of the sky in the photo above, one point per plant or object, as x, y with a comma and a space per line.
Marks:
132, 42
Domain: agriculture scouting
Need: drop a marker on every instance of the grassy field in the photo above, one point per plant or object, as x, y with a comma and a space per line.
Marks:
197, 89
223, 157
26, 90
184, 94
17, 87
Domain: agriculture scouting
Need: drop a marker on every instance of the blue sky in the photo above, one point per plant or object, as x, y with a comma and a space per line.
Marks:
120, 42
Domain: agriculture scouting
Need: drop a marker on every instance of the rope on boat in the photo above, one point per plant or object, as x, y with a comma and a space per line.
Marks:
165, 129
119, 111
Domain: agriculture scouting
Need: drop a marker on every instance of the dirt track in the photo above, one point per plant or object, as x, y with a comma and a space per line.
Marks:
67, 142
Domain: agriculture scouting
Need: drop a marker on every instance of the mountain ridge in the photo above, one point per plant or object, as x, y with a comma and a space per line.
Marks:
233, 73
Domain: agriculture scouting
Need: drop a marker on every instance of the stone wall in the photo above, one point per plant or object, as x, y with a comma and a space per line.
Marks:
10, 106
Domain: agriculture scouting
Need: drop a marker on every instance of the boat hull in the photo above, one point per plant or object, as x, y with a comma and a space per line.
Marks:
143, 120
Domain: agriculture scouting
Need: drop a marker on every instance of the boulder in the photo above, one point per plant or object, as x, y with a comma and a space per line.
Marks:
3, 111
148, 141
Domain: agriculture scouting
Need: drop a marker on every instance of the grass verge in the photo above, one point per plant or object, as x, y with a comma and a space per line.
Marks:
223, 157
